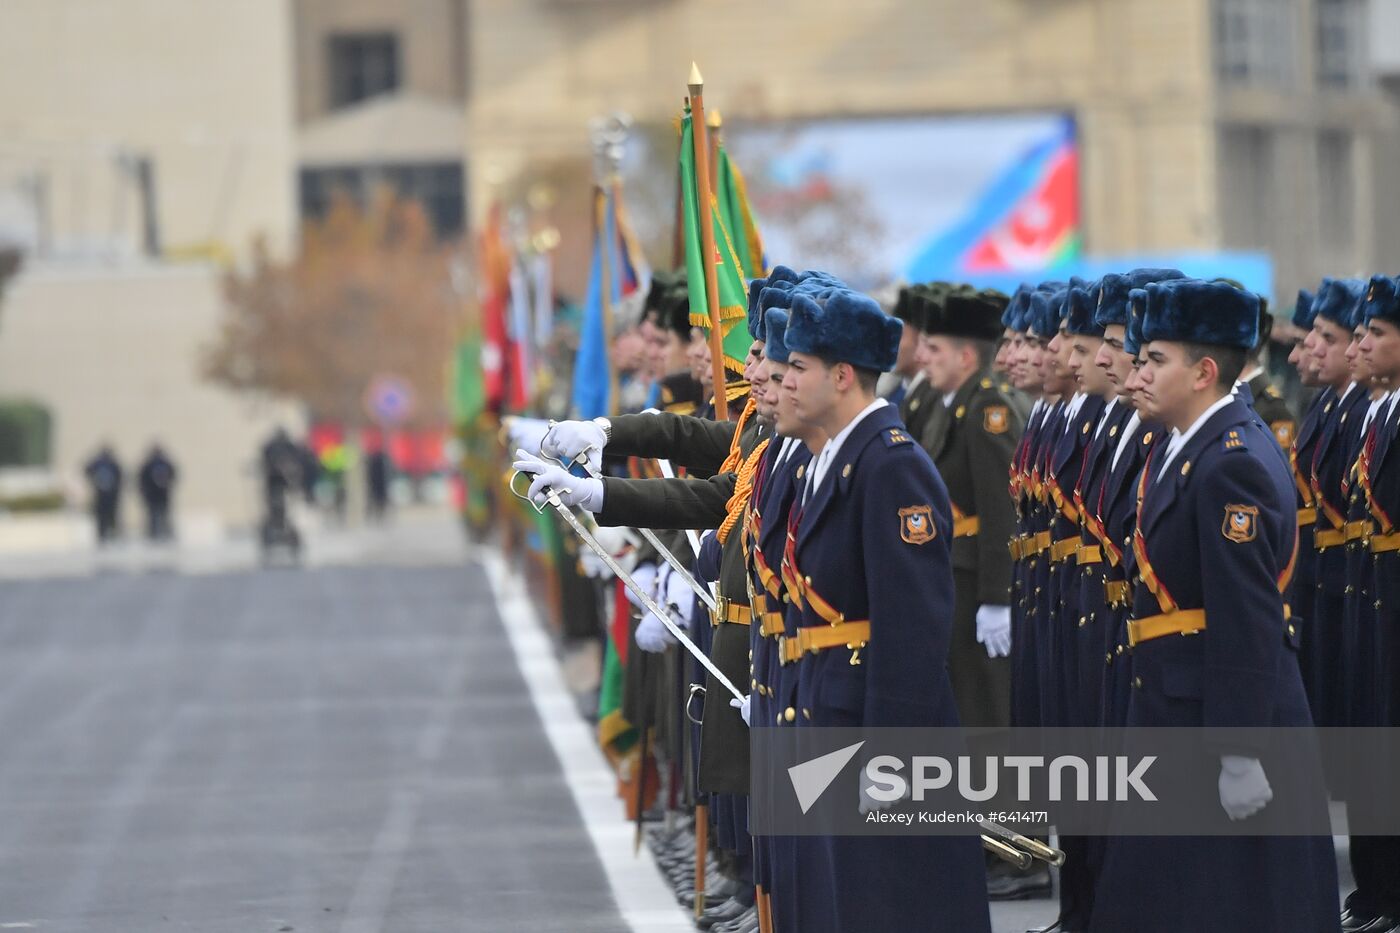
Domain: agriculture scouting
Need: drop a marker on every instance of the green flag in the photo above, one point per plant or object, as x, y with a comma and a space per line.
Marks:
468, 393
733, 296
733, 197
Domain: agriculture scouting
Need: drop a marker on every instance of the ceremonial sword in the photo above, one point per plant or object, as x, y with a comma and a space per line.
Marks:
581, 459
552, 499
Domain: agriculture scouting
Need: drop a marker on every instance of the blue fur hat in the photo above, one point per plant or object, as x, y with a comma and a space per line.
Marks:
1014, 317
1135, 306
844, 326
1114, 289
784, 274
1048, 310
1195, 311
1339, 301
1382, 299
1083, 302
775, 324
1303, 312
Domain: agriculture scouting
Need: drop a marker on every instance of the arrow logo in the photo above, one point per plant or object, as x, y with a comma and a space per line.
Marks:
811, 778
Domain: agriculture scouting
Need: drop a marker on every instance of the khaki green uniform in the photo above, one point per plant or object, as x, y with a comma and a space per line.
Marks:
971, 442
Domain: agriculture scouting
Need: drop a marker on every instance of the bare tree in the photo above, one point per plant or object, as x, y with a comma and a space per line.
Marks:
370, 294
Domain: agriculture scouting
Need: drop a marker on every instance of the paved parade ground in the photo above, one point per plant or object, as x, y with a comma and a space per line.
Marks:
356, 745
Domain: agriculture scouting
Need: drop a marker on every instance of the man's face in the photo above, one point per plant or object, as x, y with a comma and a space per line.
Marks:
784, 411
942, 362
760, 378
629, 351
752, 361
1002, 361
697, 355
654, 339
1381, 348
1329, 352
1301, 358
1113, 360
1170, 381
1083, 351
1018, 357
1359, 366
812, 386
905, 364
1055, 378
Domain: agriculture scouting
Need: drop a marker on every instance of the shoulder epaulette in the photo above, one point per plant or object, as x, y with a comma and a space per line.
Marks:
1233, 440
896, 436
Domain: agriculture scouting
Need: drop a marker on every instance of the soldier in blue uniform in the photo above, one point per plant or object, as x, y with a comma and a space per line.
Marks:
871, 589
1375, 860
1336, 309
1214, 547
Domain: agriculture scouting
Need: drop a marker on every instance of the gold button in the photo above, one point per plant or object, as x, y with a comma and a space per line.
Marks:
1108, 657
1137, 682
807, 580
1292, 630
789, 714
806, 714
1120, 649
846, 471
754, 684
780, 719
1083, 619
785, 597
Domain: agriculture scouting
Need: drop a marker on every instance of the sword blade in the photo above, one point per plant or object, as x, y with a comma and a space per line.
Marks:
646, 600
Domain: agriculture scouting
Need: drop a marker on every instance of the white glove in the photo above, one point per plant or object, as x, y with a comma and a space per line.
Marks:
869, 803
567, 439
1244, 788
527, 433
742, 706
645, 575
678, 597
593, 566
653, 636
573, 490
994, 630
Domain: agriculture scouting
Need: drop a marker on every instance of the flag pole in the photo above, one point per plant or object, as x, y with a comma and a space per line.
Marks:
707, 234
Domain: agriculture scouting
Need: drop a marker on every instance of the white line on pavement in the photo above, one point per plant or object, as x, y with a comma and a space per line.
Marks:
644, 900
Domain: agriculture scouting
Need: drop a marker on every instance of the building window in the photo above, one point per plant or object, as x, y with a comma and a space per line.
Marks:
1336, 189
362, 66
438, 186
1247, 178
1341, 46
1255, 42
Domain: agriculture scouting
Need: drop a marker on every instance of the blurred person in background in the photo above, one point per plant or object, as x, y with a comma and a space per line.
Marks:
379, 469
157, 482
104, 474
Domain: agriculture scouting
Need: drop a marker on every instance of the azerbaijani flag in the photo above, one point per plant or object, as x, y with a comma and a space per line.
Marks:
733, 295
1027, 218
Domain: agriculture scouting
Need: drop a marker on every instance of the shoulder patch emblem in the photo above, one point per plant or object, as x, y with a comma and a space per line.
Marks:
1241, 523
916, 524
897, 436
1283, 433
995, 419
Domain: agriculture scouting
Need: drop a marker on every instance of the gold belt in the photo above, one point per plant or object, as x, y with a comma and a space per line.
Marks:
1116, 592
1063, 548
1387, 542
1307, 516
1180, 622
851, 635
966, 527
770, 624
1020, 546
1090, 554
727, 610
1357, 530
1330, 537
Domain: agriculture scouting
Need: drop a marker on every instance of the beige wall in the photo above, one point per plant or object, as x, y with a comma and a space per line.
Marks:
203, 86
1137, 74
115, 356
432, 37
